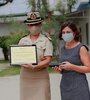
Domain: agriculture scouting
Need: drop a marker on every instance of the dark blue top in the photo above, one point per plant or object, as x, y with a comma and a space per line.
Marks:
71, 55
74, 85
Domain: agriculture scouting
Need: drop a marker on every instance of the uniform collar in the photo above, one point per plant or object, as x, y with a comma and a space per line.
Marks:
39, 39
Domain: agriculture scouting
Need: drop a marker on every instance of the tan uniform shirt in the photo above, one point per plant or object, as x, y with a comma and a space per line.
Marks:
44, 45
44, 48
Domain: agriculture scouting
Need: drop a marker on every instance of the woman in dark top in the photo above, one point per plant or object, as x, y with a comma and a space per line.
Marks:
76, 62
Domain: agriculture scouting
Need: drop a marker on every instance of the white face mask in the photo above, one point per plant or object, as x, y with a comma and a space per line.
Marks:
35, 30
68, 37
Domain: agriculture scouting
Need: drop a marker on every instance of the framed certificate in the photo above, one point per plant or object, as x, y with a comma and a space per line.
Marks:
26, 54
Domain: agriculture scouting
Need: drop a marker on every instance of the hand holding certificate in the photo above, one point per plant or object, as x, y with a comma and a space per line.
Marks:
26, 54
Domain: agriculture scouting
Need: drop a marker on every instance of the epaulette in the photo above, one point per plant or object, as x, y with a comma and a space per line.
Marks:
48, 37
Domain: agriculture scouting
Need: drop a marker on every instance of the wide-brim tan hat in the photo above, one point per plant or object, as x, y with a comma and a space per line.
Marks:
33, 18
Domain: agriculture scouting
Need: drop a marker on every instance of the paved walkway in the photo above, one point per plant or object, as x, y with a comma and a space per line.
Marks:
9, 87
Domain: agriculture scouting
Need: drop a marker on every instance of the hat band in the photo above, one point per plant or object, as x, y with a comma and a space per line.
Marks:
33, 22
34, 19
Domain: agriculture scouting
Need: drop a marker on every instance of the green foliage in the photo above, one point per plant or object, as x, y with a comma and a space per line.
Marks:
65, 8
3, 61
17, 27
48, 25
61, 7
41, 5
32, 3
3, 41
15, 70
54, 41
18, 30
45, 6
10, 71
14, 39
6, 41
70, 4
50, 70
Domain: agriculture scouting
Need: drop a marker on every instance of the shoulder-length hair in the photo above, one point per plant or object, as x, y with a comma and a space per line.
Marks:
73, 27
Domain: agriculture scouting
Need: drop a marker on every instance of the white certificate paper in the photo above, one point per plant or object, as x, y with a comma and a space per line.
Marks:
23, 54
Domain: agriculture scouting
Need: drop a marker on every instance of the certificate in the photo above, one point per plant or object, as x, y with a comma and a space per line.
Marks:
26, 54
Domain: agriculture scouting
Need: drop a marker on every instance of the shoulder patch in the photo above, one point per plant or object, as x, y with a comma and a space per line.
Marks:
49, 38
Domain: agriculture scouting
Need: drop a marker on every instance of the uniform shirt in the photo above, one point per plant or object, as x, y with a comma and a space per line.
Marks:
44, 45
44, 48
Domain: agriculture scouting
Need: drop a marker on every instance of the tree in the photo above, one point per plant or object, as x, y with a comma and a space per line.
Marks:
45, 6
6, 41
51, 22
33, 4
71, 4
66, 6
18, 30
61, 7
62, 10
40, 5
3, 46
14, 38
17, 27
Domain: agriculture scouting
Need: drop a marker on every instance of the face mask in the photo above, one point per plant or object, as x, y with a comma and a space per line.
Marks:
35, 30
68, 37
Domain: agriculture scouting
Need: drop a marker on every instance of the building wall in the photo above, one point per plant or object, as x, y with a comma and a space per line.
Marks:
84, 30
89, 30
4, 29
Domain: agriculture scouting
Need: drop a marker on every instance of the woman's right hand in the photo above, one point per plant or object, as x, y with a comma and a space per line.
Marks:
58, 69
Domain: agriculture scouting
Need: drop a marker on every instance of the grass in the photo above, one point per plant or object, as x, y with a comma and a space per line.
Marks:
50, 70
4, 61
15, 70
10, 71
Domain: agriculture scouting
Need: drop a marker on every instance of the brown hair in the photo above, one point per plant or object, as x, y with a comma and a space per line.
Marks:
73, 27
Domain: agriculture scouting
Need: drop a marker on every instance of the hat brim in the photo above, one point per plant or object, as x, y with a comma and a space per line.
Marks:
33, 22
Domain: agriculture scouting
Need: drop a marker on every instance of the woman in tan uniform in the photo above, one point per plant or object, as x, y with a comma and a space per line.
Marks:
34, 79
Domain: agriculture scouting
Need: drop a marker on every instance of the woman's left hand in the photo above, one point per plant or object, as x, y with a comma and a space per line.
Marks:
67, 65
29, 66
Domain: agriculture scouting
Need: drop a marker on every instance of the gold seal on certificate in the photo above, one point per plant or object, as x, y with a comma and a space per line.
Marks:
23, 54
